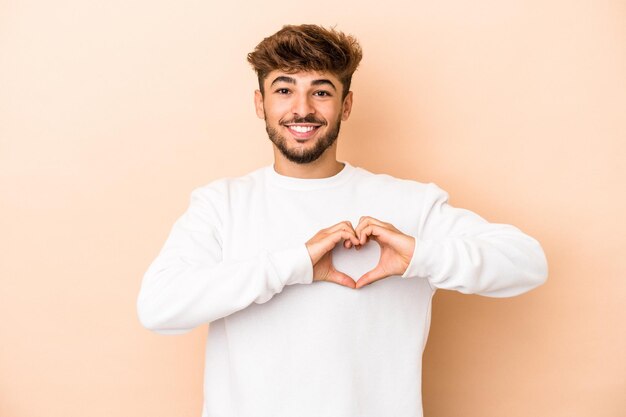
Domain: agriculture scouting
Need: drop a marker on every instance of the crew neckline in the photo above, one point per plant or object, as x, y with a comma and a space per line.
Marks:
294, 183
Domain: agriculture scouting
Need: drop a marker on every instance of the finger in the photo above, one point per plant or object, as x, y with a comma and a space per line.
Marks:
371, 220
349, 236
330, 240
326, 243
367, 220
381, 223
373, 231
345, 225
371, 276
382, 235
348, 244
342, 279
364, 222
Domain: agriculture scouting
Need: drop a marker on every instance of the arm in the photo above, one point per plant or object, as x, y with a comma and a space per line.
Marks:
189, 284
458, 250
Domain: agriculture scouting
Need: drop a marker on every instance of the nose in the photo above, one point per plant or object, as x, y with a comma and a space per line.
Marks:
302, 105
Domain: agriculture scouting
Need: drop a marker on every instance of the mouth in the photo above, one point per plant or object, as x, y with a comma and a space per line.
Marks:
302, 130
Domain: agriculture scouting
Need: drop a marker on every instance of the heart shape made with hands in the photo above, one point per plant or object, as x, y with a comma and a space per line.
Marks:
355, 263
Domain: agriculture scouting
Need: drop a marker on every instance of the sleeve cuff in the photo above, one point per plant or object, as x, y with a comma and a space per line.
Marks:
293, 265
416, 267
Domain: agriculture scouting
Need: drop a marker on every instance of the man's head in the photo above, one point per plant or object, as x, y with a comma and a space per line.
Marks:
304, 75
306, 48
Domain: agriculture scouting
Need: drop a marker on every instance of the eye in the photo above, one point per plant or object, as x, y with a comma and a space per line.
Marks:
282, 91
322, 93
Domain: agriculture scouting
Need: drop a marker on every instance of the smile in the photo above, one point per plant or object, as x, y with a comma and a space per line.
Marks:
301, 131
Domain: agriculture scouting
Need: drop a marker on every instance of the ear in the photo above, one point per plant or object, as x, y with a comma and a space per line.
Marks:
347, 106
258, 104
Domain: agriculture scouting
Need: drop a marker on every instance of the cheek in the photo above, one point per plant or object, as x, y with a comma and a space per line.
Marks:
333, 113
325, 108
276, 111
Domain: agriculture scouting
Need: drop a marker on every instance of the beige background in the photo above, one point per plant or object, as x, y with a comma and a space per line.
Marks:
112, 112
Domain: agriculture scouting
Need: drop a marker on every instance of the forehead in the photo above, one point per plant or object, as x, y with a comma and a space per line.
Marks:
301, 77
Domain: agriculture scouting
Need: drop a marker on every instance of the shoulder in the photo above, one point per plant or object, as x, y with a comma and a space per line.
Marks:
222, 187
219, 192
386, 183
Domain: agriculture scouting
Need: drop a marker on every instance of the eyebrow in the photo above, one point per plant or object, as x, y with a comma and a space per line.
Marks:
291, 80
324, 82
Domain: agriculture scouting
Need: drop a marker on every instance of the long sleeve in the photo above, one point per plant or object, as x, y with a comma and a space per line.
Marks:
189, 284
458, 250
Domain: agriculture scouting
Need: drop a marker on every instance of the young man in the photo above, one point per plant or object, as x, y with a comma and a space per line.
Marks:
317, 276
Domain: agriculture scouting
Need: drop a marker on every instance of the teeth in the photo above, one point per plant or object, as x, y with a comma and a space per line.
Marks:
302, 129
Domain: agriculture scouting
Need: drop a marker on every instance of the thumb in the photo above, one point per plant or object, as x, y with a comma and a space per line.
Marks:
341, 278
371, 276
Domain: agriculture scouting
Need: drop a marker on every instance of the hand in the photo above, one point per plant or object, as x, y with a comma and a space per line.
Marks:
396, 249
320, 249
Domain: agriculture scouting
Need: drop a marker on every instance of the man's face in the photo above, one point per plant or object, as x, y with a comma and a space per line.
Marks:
303, 112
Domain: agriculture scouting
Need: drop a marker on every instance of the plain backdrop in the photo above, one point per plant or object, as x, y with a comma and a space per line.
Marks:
112, 112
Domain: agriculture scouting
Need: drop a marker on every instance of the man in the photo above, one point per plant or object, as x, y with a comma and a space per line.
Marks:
317, 276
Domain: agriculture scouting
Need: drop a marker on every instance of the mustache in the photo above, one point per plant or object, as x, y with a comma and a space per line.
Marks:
309, 118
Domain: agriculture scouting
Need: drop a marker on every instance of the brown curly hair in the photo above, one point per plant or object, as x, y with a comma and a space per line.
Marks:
307, 48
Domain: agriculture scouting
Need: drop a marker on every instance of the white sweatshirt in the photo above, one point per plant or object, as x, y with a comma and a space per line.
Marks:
280, 345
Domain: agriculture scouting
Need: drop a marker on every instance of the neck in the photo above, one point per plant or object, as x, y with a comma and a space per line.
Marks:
324, 167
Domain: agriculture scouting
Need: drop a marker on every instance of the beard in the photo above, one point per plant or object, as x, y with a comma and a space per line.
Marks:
301, 155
